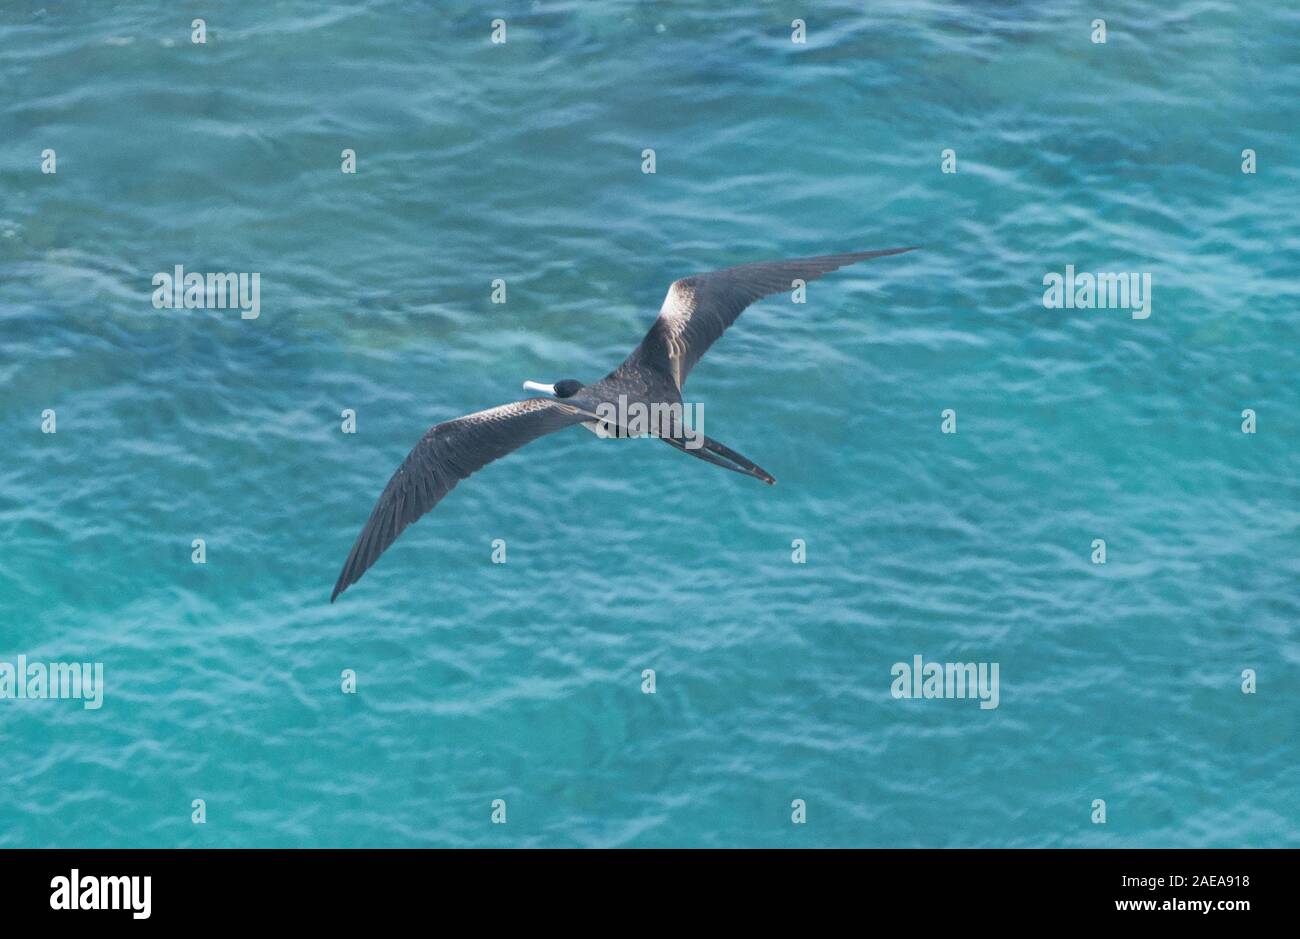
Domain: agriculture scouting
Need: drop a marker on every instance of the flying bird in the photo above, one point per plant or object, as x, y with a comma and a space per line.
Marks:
697, 310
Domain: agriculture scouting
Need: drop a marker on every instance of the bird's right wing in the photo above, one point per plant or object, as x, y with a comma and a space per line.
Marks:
448, 453
699, 309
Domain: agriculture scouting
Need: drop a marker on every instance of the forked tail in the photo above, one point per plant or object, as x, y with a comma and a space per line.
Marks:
719, 455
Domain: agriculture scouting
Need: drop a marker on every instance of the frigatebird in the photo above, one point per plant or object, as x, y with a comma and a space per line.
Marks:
697, 310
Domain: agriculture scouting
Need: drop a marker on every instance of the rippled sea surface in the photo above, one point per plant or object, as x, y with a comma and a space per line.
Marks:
523, 681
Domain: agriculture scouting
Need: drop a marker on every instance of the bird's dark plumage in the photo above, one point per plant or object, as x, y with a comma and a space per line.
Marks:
445, 455
697, 310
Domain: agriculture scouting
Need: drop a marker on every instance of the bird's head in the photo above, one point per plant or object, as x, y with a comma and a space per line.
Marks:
565, 388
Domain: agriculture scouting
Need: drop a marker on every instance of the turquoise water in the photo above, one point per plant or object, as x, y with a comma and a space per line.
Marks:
523, 681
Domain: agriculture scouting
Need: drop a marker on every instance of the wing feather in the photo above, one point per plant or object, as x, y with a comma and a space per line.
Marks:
448, 453
698, 309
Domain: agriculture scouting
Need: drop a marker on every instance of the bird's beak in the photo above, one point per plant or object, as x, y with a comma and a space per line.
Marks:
538, 386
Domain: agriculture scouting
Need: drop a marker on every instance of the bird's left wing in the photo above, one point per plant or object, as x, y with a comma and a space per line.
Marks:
448, 453
699, 309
